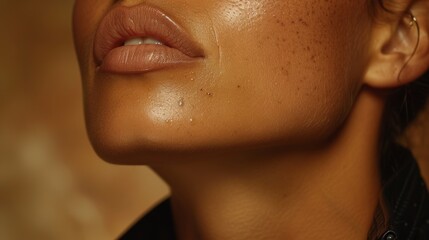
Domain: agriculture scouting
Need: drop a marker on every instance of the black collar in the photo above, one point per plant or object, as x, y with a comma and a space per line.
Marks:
407, 199
156, 225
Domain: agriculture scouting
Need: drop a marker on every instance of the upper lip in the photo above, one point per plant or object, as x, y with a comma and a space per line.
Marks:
123, 23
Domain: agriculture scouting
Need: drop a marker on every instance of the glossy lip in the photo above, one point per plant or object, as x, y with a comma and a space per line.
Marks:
123, 23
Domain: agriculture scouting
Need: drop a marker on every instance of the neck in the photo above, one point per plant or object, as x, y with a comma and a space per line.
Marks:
328, 193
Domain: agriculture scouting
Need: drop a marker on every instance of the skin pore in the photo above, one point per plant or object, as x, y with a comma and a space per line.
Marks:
274, 133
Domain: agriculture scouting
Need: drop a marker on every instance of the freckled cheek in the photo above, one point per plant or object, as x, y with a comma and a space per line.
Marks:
287, 64
301, 43
276, 51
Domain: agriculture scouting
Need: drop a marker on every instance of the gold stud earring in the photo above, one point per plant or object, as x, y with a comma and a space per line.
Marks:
413, 21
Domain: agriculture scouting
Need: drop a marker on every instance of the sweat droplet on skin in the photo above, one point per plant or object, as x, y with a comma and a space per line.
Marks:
181, 102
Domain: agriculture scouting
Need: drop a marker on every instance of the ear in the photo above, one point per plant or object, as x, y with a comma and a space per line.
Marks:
399, 49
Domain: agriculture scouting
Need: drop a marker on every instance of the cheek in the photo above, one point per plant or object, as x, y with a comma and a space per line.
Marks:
291, 60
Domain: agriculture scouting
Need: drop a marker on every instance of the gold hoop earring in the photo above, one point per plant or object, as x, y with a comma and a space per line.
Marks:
413, 23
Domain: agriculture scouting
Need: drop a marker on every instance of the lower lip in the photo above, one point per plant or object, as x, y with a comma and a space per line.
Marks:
143, 58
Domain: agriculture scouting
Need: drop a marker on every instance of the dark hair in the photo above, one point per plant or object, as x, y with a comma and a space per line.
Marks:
400, 176
402, 107
397, 165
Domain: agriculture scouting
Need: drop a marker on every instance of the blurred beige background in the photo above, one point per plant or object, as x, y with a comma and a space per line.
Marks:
52, 186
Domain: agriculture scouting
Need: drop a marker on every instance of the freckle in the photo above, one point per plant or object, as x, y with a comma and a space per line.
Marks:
238, 86
285, 72
293, 22
201, 89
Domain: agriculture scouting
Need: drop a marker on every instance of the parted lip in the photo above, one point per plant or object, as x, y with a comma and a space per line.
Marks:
123, 23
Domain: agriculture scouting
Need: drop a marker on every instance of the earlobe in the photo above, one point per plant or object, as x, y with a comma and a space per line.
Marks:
400, 52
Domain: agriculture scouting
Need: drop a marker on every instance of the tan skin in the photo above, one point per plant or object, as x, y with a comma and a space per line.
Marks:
276, 136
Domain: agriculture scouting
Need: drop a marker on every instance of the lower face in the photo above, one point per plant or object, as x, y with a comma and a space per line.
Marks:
274, 72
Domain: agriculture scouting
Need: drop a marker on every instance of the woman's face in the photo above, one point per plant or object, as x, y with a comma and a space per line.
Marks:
268, 72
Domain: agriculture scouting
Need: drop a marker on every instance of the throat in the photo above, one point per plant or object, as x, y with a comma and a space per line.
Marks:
324, 197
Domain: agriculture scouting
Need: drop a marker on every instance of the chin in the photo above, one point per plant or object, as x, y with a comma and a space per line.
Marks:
119, 144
